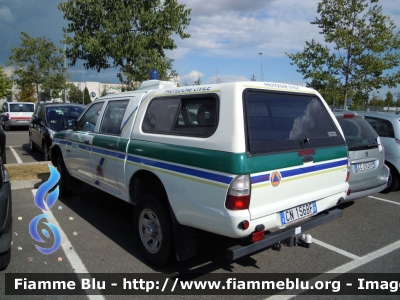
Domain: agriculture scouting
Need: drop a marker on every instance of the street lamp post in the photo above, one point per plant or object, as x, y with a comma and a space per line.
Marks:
65, 70
83, 91
261, 79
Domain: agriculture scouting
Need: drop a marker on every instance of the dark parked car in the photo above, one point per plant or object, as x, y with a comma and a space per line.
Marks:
5, 210
48, 119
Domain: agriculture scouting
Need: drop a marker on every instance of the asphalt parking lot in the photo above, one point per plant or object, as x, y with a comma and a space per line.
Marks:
97, 237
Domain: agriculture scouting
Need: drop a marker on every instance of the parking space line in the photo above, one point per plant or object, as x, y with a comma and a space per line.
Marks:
345, 268
15, 155
393, 202
335, 249
73, 258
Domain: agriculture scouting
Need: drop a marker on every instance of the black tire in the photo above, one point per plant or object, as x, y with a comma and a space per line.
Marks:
45, 151
5, 127
32, 146
393, 182
156, 248
5, 259
64, 177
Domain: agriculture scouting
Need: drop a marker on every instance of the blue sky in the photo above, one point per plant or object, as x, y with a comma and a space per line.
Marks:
226, 37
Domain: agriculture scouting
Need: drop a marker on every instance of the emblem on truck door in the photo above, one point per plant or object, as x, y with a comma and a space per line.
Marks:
275, 179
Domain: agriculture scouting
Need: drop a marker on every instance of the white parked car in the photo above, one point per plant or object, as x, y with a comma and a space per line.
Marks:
387, 125
16, 114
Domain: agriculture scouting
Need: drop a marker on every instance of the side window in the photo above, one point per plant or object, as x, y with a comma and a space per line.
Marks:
111, 123
89, 120
194, 116
382, 127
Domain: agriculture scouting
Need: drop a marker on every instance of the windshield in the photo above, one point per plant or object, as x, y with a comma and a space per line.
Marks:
279, 122
55, 115
358, 133
21, 107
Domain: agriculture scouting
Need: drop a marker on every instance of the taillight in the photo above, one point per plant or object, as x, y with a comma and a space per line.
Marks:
238, 196
397, 141
348, 115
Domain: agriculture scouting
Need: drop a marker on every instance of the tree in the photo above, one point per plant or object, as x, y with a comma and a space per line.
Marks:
103, 93
130, 35
5, 84
74, 94
26, 93
38, 61
389, 101
364, 46
198, 81
86, 96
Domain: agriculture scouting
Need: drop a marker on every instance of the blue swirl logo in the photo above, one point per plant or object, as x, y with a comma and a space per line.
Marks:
46, 203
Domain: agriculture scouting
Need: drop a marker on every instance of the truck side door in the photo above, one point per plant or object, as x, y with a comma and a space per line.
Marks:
104, 154
78, 150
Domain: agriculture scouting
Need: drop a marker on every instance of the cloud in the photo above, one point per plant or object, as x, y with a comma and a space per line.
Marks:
6, 15
9, 71
191, 77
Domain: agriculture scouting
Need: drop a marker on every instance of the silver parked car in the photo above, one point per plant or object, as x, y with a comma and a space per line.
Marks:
387, 125
368, 173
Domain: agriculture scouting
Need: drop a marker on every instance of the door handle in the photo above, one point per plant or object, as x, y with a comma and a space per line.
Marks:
86, 142
68, 150
111, 146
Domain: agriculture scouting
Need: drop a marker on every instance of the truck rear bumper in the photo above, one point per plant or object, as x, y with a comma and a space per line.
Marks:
291, 231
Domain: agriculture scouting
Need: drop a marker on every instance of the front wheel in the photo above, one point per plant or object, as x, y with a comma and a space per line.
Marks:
64, 177
152, 227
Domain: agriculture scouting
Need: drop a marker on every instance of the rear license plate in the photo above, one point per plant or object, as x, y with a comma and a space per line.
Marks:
364, 166
298, 212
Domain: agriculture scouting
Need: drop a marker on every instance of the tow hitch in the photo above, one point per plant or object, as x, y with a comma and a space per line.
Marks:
288, 235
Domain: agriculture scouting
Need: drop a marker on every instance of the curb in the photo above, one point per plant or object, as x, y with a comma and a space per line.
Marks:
29, 163
26, 184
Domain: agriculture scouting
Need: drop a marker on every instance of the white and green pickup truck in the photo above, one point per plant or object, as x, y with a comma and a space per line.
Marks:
257, 161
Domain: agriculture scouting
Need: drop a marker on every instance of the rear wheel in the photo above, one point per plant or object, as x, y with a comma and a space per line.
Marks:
153, 232
64, 177
5, 259
5, 126
393, 181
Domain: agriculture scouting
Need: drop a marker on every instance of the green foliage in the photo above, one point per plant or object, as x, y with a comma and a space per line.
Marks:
86, 96
103, 93
55, 94
26, 93
5, 84
38, 61
364, 49
389, 101
198, 81
130, 35
74, 94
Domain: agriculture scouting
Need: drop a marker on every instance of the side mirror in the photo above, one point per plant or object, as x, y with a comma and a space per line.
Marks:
5, 118
36, 120
69, 123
